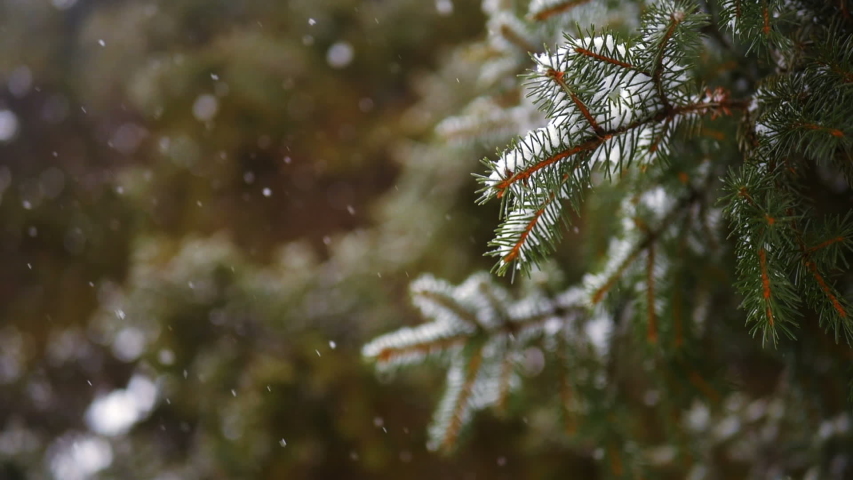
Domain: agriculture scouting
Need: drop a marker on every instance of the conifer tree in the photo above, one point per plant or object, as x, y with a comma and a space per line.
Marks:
700, 153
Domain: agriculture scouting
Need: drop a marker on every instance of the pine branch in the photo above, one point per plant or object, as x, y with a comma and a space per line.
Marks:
623, 253
613, 103
589, 128
651, 299
657, 72
505, 384
479, 331
760, 23
567, 392
455, 410
834, 55
767, 218
541, 10
833, 309
508, 32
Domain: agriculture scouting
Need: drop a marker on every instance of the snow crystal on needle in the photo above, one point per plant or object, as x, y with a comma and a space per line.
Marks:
528, 151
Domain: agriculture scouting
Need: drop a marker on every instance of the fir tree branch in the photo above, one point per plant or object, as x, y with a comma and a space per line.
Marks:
765, 15
837, 315
587, 146
460, 403
591, 144
657, 73
826, 243
599, 287
558, 78
545, 11
516, 249
567, 393
652, 333
391, 355
504, 384
514, 38
765, 286
443, 300
609, 104
836, 304
703, 386
602, 58
479, 331
761, 220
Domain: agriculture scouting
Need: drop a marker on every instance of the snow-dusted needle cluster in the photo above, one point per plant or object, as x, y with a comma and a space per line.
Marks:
610, 104
480, 332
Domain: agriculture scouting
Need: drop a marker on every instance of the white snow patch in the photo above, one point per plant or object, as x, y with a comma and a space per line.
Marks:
116, 412
8, 125
340, 54
205, 107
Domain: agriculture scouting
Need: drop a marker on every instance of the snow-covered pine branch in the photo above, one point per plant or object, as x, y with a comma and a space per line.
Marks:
480, 332
610, 104
651, 306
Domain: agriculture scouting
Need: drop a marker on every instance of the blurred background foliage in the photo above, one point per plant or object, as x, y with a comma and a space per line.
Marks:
206, 208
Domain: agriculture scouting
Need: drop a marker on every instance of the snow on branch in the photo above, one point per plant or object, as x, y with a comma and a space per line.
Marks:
609, 104
479, 331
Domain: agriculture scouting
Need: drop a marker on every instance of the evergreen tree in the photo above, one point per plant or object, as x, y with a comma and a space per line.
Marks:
701, 154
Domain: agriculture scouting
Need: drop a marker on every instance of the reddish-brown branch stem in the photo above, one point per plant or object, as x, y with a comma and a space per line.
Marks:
557, 9
826, 290
657, 74
559, 78
615, 461
703, 386
389, 354
765, 278
594, 142
514, 38
765, 10
812, 267
765, 284
566, 391
846, 77
650, 237
599, 294
832, 131
450, 304
505, 378
516, 249
526, 173
585, 112
825, 244
652, 333
456, 420
742, 192
603, 58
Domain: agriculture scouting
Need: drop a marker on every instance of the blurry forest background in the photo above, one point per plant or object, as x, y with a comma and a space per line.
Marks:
206, 208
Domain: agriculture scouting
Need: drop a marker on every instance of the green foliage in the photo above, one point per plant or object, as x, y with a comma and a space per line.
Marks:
645, 116
480, 333
610, 104
203, 219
